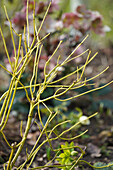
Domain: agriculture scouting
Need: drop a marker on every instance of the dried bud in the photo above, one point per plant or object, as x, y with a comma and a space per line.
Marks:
84, 120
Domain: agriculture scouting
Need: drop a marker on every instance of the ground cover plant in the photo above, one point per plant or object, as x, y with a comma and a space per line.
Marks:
67, 156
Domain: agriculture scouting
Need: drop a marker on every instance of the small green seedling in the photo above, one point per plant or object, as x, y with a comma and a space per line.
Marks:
68, 156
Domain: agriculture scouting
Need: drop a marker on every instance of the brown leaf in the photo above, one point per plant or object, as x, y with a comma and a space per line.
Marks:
93, 150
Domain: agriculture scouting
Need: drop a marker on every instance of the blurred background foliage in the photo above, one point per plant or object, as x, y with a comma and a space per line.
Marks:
106, 9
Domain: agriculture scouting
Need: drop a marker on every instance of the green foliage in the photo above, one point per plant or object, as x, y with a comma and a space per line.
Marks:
100, 164
73, 115
85, 136
107, 103
48, 152
68, 156
94, 98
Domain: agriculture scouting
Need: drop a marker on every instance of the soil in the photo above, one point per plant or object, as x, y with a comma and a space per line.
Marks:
98, 143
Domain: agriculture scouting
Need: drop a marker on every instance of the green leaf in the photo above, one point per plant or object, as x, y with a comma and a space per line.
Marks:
100, 164
82, 89
19, 95
105, 90
66, 144
67, 161
62, 155
67, 152
72, 145
107, 103
63, 161
80, 113
111, 166
48, 92
21, 107
63, 146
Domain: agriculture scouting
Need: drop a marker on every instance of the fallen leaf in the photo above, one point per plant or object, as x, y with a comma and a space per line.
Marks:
93, 150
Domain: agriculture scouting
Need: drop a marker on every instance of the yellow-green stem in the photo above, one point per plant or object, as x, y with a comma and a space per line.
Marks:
25, 134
